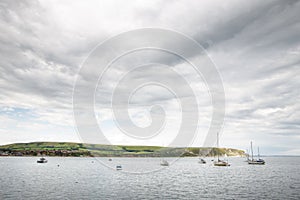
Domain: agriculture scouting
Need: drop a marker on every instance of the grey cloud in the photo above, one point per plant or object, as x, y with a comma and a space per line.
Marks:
255, 44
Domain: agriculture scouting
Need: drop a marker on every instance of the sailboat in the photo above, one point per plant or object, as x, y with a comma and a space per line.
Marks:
253, 161
220, 162
247, 155
201, 159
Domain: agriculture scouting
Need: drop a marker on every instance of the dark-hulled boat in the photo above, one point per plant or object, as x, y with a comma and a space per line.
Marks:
42, 160
253, 161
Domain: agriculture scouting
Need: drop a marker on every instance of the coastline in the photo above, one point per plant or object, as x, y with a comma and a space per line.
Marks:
65, 149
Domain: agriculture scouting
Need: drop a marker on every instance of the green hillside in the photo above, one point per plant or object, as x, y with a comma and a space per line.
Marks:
79, 149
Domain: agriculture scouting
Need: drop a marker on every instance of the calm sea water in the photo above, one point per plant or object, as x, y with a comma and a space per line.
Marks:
88, 178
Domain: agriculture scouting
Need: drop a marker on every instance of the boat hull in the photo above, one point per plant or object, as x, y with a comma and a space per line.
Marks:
221, 164
40, 161
164, 164
255, 163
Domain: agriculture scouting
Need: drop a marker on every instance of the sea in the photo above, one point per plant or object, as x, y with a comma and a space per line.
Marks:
144, 178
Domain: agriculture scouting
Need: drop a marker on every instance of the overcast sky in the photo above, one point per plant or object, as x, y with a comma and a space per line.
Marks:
255, 45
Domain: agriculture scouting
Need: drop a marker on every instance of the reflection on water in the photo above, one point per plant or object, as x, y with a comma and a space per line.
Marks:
87, 178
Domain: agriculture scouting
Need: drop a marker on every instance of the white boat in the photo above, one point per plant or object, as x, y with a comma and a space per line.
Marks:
220, 163
164, 163
42, 160
253, 161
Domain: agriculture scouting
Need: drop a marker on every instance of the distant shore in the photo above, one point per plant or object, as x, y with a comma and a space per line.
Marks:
65, 149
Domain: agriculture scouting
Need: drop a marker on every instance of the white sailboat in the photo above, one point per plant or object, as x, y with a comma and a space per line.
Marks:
253, 161
220, 163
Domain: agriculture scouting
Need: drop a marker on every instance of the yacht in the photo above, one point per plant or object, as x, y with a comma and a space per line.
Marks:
220, 163
253, 161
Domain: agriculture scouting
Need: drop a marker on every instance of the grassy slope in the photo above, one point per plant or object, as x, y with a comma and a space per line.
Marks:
117, 150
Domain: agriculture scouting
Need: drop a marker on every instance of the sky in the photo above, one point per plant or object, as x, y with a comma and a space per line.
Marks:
254, 45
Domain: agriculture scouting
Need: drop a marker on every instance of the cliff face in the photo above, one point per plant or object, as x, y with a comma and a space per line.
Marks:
212, 151
78, 149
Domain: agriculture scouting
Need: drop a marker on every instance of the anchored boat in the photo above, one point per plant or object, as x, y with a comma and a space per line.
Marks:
253, 161
164, 163
220, 163
119, 167
201, 161
202, 155
42, 160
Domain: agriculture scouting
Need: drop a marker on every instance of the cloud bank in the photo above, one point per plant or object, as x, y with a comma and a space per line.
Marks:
255, 46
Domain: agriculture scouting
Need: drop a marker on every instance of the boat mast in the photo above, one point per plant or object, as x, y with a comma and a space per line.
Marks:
218, 145
251, 151
258, 153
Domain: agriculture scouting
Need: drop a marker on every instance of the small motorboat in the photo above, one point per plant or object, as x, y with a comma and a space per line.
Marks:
202, 161
42, 160
109, 159
118, 167
164, 163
